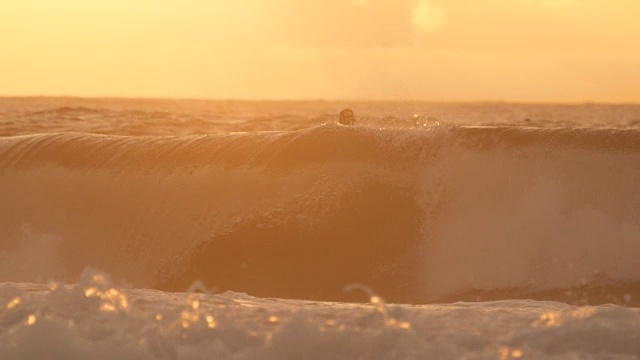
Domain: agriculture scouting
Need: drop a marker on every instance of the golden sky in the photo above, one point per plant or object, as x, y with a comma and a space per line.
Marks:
461, 50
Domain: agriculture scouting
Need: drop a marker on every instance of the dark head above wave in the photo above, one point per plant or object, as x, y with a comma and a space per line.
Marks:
347, 117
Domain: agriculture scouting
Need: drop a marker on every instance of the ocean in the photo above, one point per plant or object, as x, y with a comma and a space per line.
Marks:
202, 229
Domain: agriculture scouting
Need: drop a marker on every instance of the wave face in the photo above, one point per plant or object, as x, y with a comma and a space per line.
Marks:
419, 215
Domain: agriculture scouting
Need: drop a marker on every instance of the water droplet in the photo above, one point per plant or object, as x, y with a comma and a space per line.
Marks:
211, 322
106, 307
13, 303
516, 353
89, 292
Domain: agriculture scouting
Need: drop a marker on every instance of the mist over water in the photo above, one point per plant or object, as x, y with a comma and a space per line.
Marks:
422, 202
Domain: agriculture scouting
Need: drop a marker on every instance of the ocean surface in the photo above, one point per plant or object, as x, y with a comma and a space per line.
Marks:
201, 229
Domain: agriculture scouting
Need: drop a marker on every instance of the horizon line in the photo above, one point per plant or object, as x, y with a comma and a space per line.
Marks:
320, 99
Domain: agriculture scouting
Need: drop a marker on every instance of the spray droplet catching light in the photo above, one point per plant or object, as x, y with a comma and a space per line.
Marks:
211, 322
13, 303
509, 353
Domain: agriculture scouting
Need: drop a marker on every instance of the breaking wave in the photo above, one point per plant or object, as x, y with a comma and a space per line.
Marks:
419, 215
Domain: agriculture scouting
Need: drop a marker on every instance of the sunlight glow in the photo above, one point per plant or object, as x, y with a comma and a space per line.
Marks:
427, 18
524, 50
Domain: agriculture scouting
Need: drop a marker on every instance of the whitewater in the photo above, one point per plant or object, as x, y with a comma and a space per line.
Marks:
198, 229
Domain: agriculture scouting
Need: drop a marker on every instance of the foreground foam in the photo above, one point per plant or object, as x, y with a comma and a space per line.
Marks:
94, 319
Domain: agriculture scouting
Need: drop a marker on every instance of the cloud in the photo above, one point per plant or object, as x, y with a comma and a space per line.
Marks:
361, 3
554, 4
427, 18
344, 23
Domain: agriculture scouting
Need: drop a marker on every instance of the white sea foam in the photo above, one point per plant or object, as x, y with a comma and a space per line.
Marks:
92, 319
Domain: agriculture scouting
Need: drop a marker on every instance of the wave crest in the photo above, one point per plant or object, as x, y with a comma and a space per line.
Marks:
441, 213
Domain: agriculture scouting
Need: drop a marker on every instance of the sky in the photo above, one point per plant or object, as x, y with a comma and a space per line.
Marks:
436, 50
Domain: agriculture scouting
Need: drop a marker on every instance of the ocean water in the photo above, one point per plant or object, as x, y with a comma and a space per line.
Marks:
195, 229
